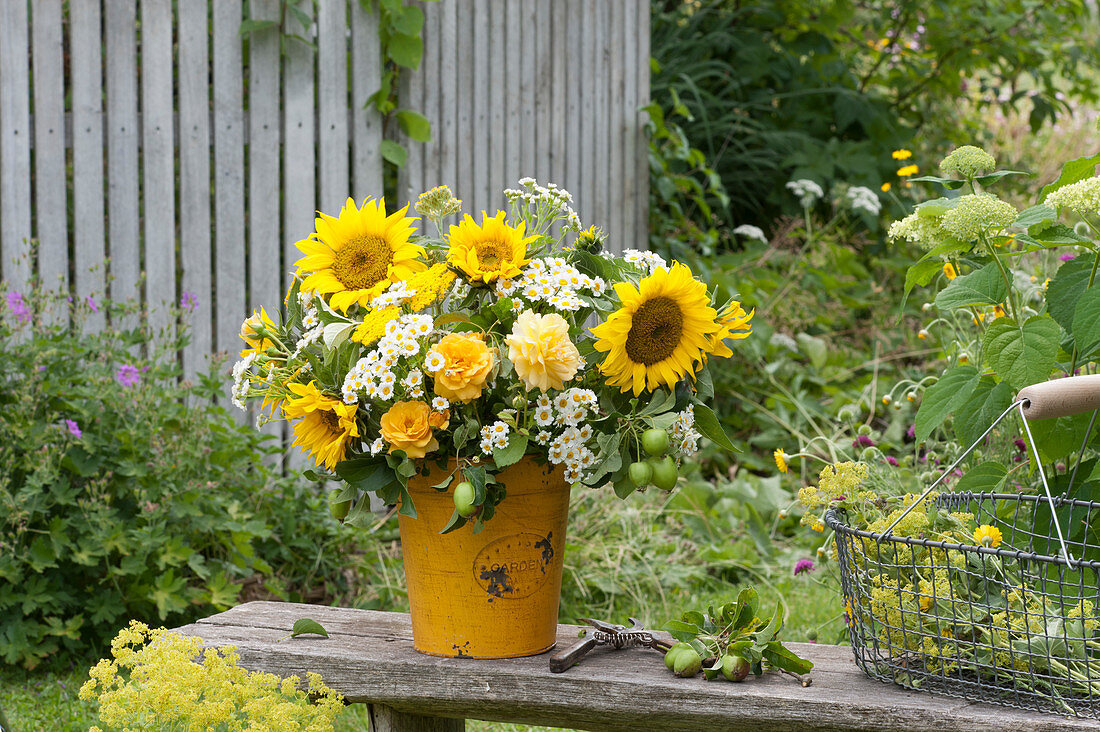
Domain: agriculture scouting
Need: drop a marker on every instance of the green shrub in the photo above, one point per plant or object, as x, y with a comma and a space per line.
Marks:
125, 494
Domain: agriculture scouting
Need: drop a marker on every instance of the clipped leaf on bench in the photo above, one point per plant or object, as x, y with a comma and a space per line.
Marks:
306, 625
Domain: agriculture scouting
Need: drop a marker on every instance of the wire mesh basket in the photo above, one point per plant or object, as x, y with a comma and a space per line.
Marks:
1015, 624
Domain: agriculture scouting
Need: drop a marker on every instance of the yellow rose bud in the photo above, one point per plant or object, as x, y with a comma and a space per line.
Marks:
408, 426
467, 362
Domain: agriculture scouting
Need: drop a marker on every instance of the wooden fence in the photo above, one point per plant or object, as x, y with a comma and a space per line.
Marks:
153, 151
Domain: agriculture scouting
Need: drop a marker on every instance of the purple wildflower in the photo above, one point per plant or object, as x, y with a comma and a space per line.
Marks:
91, 303
74, 428
892, 460
1020, 444
127, 375
911, 433
18, 307
189, 302
1067, 257
803, 565
863, 441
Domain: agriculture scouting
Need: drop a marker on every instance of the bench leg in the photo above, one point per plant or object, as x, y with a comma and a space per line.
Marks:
388, 719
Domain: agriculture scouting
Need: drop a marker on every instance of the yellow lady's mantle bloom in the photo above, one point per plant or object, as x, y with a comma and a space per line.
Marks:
493, 250
327, 425
355, 257
662, 330
157, 679
987, 535
541, 352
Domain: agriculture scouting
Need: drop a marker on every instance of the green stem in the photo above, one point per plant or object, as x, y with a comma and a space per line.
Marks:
1092, 278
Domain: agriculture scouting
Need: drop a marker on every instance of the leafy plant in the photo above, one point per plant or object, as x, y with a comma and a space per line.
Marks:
125, 494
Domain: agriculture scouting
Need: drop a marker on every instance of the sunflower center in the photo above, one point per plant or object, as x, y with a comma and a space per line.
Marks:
655, 331
332, 421
490, 252
362, 262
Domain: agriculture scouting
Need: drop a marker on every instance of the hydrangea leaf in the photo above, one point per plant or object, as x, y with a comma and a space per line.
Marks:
984, 478
1086, 320
985, 286
1022, 354
1065, 290
1073, 172
989, 399
944, 397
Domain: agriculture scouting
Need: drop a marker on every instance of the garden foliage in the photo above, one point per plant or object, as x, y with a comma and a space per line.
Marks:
125, 494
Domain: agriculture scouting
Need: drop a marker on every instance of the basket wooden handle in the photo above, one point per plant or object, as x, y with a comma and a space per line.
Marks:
1061, 397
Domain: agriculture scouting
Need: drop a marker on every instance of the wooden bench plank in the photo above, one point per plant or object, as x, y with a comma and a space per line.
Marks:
369, 658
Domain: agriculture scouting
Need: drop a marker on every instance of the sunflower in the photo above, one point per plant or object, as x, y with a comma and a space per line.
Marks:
355, 257
663, 328
490, 251
327, 425
734, 324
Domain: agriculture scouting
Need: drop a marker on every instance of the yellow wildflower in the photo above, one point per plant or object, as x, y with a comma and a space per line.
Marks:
949, 271
902, 154
780, 459
908, 170
373, 326
987, 535
885, 187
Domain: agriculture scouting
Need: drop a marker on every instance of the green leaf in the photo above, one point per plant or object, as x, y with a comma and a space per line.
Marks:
943, 398
950, 184
984, 478
1086, 320
709, 426
415, 125
1022, 354
1072, 172
393, 152
989, 400
305, 625
997, 175
252, 25
921, 274
661, 401
682, 631
1039, 214
405, 50
517, 446
781, 657
985, 286
1065, 289
409, 20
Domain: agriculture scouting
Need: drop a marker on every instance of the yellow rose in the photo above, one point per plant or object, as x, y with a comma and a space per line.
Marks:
467, 362
540, 349
406, 426
251, 336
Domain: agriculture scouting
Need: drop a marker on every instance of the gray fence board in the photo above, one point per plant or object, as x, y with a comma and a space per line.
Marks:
332, 98
123, 194
194, 183
366, 137
158, 162
15, 141
50, 197
89, 246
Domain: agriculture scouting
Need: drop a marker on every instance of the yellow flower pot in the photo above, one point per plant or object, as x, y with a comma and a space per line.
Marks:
493, 594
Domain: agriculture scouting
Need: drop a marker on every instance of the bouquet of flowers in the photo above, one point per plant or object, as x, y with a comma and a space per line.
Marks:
471, 348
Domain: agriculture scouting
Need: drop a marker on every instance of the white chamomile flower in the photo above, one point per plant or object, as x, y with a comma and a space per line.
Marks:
439, 404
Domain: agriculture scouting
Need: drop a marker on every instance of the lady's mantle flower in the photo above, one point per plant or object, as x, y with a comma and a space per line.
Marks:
988, 536
968, 161
975, 214
803, 565
1082, 197
73, 428
127, 375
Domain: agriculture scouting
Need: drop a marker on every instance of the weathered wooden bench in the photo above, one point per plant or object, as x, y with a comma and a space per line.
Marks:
369, 658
